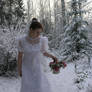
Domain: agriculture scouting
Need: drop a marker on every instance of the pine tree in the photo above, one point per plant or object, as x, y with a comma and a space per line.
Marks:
19, 9
11, 11
77, 44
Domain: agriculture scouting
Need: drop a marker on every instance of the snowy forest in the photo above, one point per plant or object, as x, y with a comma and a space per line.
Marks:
68, 26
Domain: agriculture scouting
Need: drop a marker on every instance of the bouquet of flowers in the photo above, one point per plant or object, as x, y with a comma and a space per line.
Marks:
55, 66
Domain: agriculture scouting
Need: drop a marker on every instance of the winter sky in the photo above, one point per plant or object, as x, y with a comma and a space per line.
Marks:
36, 1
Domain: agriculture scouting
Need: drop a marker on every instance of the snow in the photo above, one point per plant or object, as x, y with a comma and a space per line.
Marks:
62, 82
9, 85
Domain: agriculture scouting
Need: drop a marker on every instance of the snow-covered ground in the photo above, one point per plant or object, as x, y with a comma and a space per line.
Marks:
62, 82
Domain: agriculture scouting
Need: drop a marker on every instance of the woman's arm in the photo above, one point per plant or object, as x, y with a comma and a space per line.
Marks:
45, 48
50, 55
20, 54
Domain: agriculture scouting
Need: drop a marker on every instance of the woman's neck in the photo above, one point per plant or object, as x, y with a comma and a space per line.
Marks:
32, 37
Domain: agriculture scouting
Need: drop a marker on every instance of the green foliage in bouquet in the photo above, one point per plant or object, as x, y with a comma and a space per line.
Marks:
55, 66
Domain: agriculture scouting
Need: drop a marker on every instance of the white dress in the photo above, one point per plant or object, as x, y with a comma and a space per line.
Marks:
33, 77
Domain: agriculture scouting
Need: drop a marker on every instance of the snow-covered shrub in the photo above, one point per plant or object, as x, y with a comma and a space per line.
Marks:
89, 86
8, 51
77, 45
8, 66
83, 74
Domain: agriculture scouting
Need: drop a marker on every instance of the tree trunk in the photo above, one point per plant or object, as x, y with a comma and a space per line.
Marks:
63, 12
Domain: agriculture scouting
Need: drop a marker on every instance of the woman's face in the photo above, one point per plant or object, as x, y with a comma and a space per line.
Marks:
35, 33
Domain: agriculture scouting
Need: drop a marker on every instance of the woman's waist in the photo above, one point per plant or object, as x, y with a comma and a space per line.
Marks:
32, 55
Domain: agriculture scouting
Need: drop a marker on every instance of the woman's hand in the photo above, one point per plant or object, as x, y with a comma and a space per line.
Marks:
20, 54
55, 59
51, 56
20, 73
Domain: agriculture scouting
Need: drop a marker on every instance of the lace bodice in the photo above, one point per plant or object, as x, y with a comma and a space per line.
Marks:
34, 52
32, 40
41, 44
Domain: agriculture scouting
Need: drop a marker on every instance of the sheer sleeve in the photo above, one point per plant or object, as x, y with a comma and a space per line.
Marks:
44, 47
20, 46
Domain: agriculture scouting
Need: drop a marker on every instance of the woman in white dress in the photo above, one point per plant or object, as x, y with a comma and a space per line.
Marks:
31, 49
